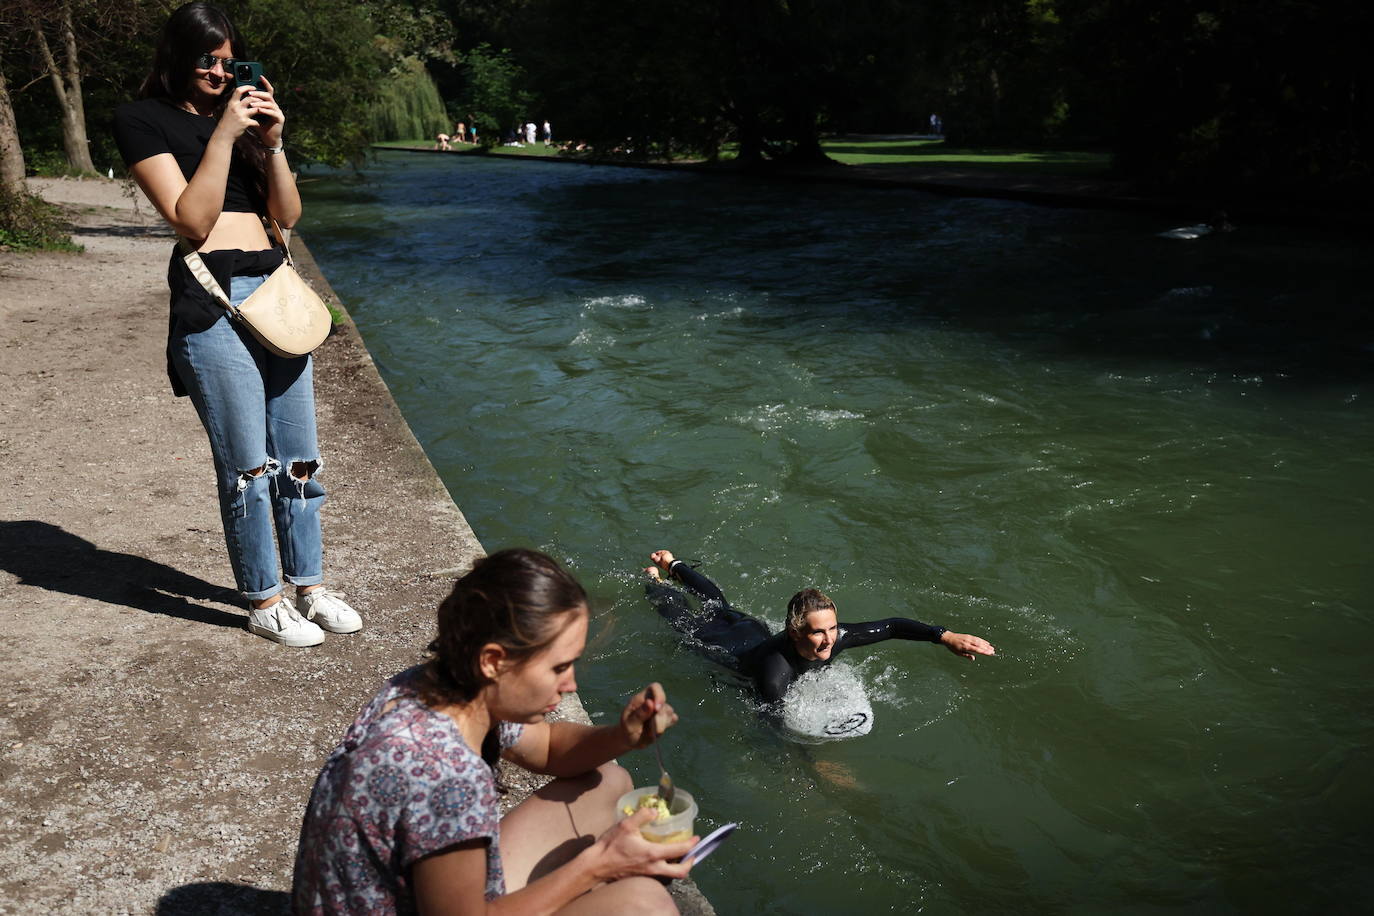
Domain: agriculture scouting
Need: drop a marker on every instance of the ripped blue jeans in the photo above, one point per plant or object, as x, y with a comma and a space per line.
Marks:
259, 412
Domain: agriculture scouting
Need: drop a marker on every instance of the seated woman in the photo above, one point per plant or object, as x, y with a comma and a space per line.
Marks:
404, 817
812, 638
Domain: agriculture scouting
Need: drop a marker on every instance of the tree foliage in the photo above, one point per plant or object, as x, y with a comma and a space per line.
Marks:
493, 97
1204, 94
328, 61
1199, 93
407, 105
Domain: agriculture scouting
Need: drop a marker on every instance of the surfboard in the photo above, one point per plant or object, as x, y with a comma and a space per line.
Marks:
827, 705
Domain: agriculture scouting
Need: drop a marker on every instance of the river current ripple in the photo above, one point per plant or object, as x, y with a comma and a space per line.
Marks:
1138, 466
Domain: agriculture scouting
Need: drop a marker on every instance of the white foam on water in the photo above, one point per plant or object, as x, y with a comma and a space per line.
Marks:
830, 418
728, 313
772, 417
829, 704
589, 338
627, 301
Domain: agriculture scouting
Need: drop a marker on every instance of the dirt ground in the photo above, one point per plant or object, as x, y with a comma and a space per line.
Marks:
154, 756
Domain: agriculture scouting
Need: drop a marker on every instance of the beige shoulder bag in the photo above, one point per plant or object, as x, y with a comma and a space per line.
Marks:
284, 314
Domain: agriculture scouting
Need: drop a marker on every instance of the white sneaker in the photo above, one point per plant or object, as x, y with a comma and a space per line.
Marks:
329, 610
280, 623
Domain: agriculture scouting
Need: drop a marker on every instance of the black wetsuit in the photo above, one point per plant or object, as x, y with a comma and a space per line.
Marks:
740, 642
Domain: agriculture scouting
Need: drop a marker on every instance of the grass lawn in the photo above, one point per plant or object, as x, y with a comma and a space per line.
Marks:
906, 153
539, 149
936, 153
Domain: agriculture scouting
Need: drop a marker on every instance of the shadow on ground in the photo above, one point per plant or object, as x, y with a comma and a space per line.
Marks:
111, 230
221, 898
46, 556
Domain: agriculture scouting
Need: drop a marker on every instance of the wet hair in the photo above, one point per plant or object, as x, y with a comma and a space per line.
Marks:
805, 602
515, 598
194, 29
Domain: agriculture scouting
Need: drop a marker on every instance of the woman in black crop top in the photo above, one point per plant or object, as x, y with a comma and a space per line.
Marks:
210, 158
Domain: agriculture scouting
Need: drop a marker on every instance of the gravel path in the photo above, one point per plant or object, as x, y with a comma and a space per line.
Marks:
154, 756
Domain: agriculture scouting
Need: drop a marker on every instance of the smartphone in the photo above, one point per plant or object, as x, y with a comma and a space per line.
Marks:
247, 73
709, 844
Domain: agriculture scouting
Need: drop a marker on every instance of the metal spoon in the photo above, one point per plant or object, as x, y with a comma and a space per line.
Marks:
665, 782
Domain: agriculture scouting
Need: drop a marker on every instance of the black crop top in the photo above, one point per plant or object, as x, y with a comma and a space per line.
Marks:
151, 126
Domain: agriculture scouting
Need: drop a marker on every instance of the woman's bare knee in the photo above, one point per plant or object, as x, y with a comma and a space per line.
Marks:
628, 895
616, 778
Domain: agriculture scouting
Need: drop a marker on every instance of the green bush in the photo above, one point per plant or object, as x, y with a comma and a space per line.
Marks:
29, 223
51, 163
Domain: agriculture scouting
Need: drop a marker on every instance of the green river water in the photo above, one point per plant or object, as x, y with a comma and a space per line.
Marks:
1138, 466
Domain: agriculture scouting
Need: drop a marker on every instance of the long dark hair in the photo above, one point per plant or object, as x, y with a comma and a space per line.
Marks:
515, 598
194, 29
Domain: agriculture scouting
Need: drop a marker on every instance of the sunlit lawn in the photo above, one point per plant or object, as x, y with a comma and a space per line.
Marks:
905, 153
936, 153
538, 149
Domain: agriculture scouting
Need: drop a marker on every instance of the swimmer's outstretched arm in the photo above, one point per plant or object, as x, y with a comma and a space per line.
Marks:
966, 644
695, 582
863, 634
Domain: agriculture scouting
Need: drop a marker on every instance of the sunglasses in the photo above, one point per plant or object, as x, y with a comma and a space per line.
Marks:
207, 61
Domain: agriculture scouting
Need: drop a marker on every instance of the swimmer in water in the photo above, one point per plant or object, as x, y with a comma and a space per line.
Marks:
812, 638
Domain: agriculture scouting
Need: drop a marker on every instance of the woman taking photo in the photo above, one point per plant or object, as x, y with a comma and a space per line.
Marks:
405, 815
210, 158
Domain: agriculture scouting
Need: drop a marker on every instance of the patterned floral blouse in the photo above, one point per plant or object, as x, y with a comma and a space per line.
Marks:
401, 785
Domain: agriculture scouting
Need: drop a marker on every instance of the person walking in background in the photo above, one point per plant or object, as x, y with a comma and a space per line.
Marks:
460, 133
529, 132
548, 133
210, 158
405, 814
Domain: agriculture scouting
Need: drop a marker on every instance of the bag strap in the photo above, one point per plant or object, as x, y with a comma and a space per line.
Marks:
284, 238
196, 264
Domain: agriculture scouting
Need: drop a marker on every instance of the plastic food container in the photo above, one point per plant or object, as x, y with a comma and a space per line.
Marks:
676, 828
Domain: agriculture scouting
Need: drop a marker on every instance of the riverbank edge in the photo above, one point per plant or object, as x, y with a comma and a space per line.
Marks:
1090, 193
154, 756
520, 783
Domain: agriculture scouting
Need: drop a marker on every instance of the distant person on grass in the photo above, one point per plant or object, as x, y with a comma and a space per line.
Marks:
210, 158
405, 815
811, 639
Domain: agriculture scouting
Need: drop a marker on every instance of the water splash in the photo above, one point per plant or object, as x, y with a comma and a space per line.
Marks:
830, 704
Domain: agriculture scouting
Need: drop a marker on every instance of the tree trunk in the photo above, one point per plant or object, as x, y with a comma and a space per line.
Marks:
806, 142
66, 83
11, 153
749, 133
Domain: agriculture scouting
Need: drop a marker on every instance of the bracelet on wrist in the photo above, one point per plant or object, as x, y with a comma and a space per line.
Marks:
273, 150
